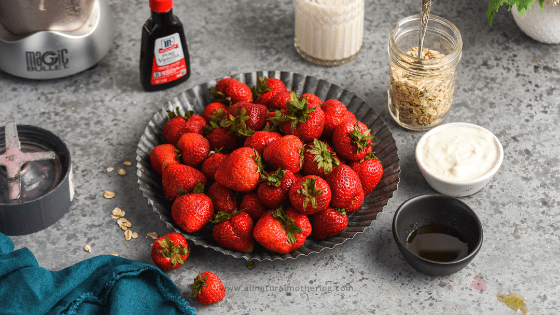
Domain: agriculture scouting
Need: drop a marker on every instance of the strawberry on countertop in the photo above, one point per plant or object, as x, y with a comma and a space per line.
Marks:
208, 288
170, 251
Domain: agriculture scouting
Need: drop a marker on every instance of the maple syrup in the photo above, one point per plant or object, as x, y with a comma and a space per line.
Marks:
437, 242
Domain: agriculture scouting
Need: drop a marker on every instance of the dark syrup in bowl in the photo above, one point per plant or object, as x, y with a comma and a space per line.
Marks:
437, 242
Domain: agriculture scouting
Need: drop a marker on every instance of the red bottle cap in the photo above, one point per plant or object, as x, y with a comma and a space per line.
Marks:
161, 6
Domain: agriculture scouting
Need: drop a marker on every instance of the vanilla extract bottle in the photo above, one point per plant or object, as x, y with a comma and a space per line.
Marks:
164, 56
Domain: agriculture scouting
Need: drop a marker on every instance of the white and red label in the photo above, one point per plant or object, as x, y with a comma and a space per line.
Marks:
169, 61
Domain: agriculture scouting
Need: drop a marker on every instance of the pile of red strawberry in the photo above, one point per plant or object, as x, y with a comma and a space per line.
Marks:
265, 165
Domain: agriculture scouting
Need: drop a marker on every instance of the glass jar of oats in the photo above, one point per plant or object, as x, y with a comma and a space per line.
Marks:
421, 90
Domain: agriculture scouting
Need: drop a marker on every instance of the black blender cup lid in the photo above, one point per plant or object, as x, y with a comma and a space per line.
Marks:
36, 184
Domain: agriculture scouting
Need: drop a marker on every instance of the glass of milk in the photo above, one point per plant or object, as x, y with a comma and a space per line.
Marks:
329, 32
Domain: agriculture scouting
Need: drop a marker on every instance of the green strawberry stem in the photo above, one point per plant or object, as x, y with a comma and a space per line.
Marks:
261, 88
288, 224
238, 124
223, 216
298, 110
273, 179
341, 211
170, 250
177, 113
220, 97
369, 156
310, 191
323, 157
258, 160
360, 139
199, 282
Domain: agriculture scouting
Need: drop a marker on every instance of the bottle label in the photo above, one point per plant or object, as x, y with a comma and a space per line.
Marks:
169, 60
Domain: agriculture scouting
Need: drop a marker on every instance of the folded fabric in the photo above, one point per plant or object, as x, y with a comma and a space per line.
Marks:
100, 285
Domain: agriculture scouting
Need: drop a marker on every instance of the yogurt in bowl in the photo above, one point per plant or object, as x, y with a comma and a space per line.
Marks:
458, 159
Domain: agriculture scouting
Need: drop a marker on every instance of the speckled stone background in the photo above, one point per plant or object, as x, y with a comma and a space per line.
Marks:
507, 83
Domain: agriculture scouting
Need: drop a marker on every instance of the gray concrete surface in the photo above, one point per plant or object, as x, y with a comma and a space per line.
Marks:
507, 83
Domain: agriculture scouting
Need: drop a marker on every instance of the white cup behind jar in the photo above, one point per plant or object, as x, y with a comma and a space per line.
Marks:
329, 32
459, 159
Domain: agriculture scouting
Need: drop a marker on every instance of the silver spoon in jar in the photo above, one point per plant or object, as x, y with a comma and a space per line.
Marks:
425, 16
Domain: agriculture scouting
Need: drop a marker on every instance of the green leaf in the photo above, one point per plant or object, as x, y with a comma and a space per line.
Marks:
521, 5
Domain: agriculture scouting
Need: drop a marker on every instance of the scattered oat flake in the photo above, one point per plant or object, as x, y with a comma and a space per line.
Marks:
87, 248
110, 169
251, 265
127, 163
115, 255
127, 235
153, 235
109, 194
123, 227
514, 301
121, 172
134, 235
118, 212
124, 222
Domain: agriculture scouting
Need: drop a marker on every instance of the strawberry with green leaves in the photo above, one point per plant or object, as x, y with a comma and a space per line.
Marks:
279, 101
319, 159
251, 204
352, 140
335, 113
260, 139
241, 170
282, 231
273, 191
176, 177
231, 91
285, 153
163, 155
329, 222
346, 189
192, 211
234, 231
370, 171
208, 288
170, 251
223, 198
179, 124
244, 118
214, 109
266, 89
310, 194
303, 118
194, 148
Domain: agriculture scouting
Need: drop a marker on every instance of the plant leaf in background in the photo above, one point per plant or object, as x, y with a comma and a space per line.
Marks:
522, 6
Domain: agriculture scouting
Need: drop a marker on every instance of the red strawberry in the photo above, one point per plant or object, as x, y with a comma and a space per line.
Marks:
245, 118
224, 140
282, 231
260, 139
216, 109
272, 121
335, 113
352, 140
222, 197
266, 89
251, 204
240, 171
192, 212
346, 189
285, 153
210, 165
370, 171
194, 147
329, 222
170, 251
238, 92
310, 194
275, 188
179, 124
319, 159
304, 119
279, 101
208, 288
163, 155
234, 231
221, 85
312, 100
176, 177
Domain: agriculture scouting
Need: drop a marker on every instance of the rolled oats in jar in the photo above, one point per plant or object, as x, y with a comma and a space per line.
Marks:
421, 90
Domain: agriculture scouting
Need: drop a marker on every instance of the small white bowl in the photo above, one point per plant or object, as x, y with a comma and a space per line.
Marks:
451, 186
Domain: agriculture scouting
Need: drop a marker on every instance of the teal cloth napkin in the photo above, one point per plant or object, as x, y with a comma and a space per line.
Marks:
100, 285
